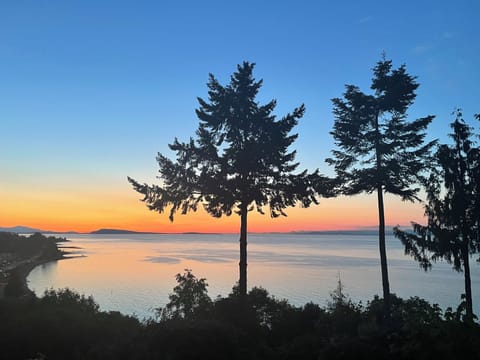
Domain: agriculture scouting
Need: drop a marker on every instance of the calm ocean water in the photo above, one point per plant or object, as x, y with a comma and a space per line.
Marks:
135, 273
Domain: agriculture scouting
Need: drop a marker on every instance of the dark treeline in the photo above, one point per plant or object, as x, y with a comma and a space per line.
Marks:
24, 246
19, 255
65, 325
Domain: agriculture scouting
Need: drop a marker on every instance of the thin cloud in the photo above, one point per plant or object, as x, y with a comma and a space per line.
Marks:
447, 35
365, 20
422, 48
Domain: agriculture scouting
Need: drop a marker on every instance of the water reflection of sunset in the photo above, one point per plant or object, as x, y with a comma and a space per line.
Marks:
135, 273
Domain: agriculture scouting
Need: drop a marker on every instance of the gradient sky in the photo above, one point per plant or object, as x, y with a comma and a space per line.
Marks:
90, 91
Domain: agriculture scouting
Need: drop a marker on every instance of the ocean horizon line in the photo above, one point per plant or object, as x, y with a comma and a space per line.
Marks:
112, 231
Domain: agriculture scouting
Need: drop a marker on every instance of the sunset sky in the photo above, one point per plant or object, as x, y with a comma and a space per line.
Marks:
90, 91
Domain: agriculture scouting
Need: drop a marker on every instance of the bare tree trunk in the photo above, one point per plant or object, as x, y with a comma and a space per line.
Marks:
381, 227
468, 284
242, 282
383, 254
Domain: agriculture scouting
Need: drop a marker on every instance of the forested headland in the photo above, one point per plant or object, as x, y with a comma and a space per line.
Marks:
19, 255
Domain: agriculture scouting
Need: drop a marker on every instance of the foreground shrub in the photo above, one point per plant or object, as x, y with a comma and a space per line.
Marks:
63, 325
66, 325
192, 339
188, 300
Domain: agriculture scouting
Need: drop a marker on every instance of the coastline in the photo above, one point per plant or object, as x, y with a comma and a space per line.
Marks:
24, 270
17, 275
19, 255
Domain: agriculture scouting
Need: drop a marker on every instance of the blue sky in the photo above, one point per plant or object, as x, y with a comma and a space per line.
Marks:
90, 91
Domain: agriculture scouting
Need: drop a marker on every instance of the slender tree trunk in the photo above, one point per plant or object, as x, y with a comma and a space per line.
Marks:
381, 226
463, 169
242, 282
383, 254
468, 284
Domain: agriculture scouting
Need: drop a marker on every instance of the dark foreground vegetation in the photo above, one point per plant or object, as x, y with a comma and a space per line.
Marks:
65, 325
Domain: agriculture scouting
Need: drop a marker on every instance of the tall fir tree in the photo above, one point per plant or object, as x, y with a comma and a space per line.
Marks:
239, 161
378, 149
452, 210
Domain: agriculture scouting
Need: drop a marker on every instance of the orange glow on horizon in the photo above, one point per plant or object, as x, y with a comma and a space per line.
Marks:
120, 208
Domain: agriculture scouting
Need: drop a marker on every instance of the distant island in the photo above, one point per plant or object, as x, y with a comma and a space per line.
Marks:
343, 232
107, 231
119, 231
29, 230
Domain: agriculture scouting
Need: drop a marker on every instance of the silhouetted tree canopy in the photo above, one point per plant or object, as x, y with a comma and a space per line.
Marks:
240, 160
378, 149
189, 296
452, 210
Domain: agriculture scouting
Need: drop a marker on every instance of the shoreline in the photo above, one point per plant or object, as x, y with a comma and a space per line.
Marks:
25, 269
17, 275
19, 255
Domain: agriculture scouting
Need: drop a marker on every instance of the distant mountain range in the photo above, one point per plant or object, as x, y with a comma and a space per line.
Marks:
119, 231
29, 230
388, 231
23, 230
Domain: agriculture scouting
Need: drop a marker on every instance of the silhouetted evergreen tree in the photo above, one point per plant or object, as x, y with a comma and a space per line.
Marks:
378, 149
452, 209
239, 161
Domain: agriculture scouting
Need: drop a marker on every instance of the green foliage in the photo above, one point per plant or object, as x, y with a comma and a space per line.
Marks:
188, 300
